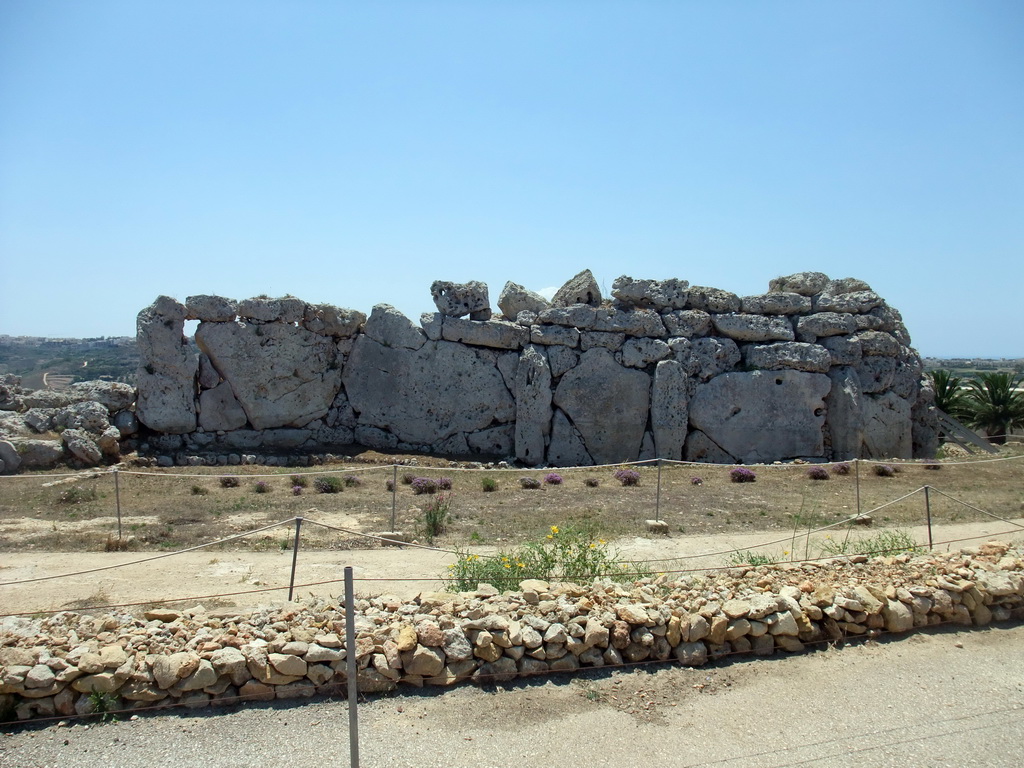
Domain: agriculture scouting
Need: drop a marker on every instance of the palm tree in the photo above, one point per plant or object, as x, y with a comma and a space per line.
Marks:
995, 404
949, 397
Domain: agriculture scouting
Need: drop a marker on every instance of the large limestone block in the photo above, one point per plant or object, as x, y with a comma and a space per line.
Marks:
887, 427
9, 456
561, 359
581, 289
515, 298
282, 375
763, 416
533, 405
554, 335
878, 343
425, 395
844, 350
753, 327
329, 320
781, 303
82, 446
607, 404
876, 373
167, 369
687, 323
669, 409
855, 302
639, 353
211, 309
794, 355
713, 300
219, 409
713, 356
650, 294
567, 448
498, 334
579, 316
38, 454
389, 327
803, 283
458, 299
496, 441
636, 322
845, 414
266, 310
819, 324
112, 395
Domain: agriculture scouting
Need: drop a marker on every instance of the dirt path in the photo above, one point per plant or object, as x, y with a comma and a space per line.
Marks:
403, 572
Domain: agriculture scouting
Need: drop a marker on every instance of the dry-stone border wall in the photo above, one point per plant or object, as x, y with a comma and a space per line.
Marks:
194, 658
815, 369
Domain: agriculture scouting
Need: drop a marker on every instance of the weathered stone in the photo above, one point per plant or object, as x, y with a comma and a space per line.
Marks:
562, 359
898, 617
204, 676
803, 283
876, 373
219, 409
887, 427
669, 409
739, 413
496, 441
566, 448
844, 350
459, 299
855, 302
607, 404
281, 375
112, 395
694, 654
700, 447
390, 328
713, 300
599, 339
554, 335
713, 356
168, 670
791, 355
82, 446
878, 343
432, 324
264, 309
650, 294
533, 406
215, 309
753, 327
167, 369
9, 456
813, 327
688, 323
427, 395
845, 420
581, 289
38, 454
498, 334
780, 303
329, 320
637, 322
576, 316
639, 353
515, 298
286, 664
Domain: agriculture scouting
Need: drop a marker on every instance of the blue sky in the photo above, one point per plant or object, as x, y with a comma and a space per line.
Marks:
352, 153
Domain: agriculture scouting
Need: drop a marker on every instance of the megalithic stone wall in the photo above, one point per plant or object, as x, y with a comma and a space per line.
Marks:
813, 369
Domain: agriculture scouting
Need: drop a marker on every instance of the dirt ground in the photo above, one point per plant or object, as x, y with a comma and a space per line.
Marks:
225, 578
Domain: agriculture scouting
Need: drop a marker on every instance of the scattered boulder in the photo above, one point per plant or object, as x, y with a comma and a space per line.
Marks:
515, 298
459, 299
581, 289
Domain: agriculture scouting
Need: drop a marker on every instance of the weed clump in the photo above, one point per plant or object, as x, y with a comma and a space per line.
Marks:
552, 478
529, 483
329, 484
261, 486
299, 480
229, 481
199, 490
818, 473
842, 468
742, 475
436, 513
628, 477
591, 482
424, 485
488, 484
884, 470
77, 494
353, 481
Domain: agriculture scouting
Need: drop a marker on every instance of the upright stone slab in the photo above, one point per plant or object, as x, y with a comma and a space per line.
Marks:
219, 409
566, 448
845, 414
426, 395
607, 404
763, 416
281, 374
167, 369
669, 409
533, 405
887, 427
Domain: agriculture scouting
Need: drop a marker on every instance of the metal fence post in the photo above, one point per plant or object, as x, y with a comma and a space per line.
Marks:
928, 515
856, 472
295, 557
394, 493
657, 498
350, 657
117, 501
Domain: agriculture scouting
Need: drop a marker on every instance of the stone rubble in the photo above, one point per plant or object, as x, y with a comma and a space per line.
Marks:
197, 658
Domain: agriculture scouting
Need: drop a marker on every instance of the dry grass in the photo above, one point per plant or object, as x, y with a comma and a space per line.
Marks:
160, 512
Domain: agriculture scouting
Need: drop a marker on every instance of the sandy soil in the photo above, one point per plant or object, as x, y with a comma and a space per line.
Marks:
199, 576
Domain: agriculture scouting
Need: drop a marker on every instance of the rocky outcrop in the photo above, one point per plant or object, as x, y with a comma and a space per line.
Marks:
813, 368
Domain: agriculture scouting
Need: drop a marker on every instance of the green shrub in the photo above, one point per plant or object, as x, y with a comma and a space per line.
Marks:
229, 481
488, 484
887, 542
329, 484
565, 554
298, 480
77, 494
747, 557
436, 513
200, 490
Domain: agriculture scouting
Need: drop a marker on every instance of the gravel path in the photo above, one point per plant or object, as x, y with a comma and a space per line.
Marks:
950, 698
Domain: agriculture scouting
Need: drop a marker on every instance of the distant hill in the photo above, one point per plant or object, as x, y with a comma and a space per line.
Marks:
112, 358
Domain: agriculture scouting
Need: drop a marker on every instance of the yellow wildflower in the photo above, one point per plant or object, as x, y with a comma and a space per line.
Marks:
554, 529
550, 536
507, 565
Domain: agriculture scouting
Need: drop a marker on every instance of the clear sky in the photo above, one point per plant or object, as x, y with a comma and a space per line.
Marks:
352, 153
